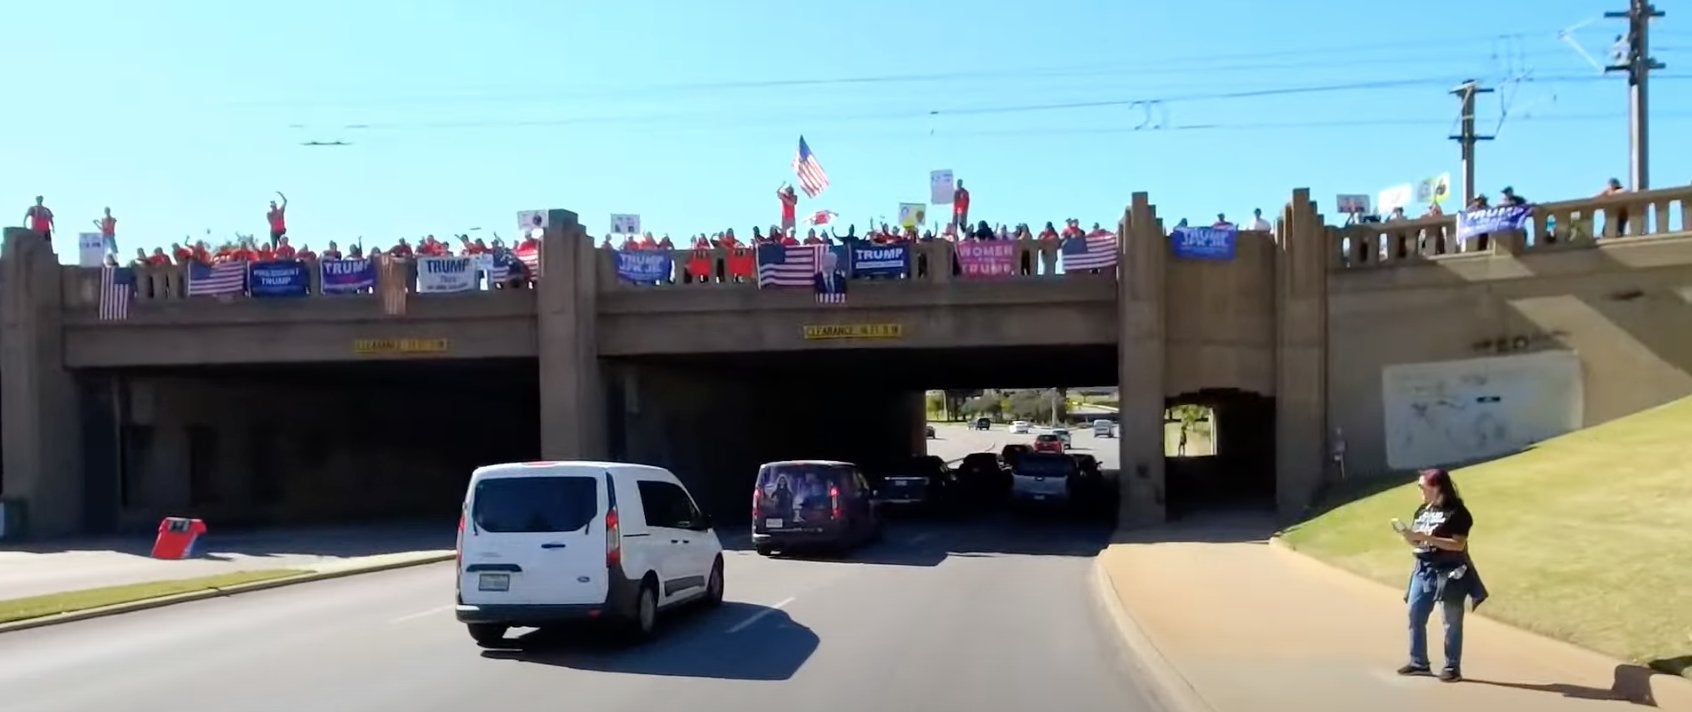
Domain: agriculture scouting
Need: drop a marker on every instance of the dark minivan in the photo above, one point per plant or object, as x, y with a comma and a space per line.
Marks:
812, 504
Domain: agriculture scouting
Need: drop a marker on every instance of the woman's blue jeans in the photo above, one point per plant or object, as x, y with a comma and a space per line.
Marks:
1423, 598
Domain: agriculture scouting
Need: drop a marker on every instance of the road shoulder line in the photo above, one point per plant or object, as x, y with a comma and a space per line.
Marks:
162, 601
1168, 688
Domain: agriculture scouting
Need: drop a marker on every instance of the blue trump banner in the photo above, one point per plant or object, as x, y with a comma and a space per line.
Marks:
279, 278
1204, 243
1480, 222
880, 260
346, 276
644, 266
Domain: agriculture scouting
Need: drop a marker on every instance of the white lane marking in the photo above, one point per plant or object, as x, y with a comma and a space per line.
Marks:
420, 614
743, 625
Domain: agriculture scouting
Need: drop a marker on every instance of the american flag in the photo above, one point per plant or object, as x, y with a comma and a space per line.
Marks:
812, 178
1082, 253
789, 265
505, 266
823, 216
117, 284
529, 255
218, 279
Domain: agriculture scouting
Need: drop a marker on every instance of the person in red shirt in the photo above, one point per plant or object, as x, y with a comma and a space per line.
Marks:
140, 257
701, 242
278, 218
108, 230
629, 244
285, 251
264, 253
1098, 231
182, 254
245, 252
158, 258
1072, 229
332, 252
605, 243
402, 250
306, 254
960, 207
40, 218
789, 204
787, 238
1050, 233
647, 242
665, 244
202, 253
811, 238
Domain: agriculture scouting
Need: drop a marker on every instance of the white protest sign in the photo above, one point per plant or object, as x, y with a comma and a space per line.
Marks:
1352, 203
91, 249
625, 224
941, 186
1398, 196
1435, 190
532, 223
441, 275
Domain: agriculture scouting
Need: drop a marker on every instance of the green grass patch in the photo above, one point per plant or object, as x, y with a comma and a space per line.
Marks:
18, 609
1586, 537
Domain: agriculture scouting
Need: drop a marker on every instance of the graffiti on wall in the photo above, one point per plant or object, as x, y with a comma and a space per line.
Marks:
1446, 412
1518, 343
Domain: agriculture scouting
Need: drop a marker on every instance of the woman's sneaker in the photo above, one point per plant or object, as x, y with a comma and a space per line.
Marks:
1415, 670
1450, 675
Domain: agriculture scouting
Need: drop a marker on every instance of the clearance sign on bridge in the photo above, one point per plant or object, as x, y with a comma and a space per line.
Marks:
814, 332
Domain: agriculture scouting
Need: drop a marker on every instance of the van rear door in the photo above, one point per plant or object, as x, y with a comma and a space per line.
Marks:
535, 538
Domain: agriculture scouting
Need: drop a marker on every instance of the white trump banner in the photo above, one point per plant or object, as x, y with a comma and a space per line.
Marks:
440, 275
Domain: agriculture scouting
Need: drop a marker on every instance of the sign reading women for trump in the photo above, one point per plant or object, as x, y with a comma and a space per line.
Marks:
880, 261
644, 266
440, 275
278, 278
1204, 243
987, 258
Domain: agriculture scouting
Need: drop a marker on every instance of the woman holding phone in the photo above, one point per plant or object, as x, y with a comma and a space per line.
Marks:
1444, 575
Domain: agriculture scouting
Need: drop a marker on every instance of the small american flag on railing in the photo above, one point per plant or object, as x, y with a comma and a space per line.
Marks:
219, 279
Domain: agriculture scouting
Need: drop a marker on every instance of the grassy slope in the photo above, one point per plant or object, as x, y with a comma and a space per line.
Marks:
1587, 537
17, 609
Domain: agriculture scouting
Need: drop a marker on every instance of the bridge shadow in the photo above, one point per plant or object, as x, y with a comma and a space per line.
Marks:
739, 641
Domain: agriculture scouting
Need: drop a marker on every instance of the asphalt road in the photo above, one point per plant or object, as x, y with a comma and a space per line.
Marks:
992, 614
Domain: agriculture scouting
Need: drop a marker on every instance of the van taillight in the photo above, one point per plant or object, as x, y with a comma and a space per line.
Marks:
757, 501
834, 500
613, 539
458, 546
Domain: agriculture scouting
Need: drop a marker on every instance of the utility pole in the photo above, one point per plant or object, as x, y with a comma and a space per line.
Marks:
1466, 137
1638, 66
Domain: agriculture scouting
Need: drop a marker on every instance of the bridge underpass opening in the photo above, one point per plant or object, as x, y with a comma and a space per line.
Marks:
1219, 451
714, 418
321, 443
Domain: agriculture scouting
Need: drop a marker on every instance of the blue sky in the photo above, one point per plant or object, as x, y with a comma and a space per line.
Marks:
185, 116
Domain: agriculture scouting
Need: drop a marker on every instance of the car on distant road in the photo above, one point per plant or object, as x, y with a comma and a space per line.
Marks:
920, 481
1043, 478
928, 430
1104, 428
982, 424
810, 504
1021, 427
541, 543
1063, 433
1048, 442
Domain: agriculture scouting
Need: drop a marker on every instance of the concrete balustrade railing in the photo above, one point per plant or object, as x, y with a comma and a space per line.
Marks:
1567, 224
165, 283
930, 261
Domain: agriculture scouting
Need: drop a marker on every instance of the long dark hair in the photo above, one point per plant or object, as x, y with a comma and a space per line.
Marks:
1438, 478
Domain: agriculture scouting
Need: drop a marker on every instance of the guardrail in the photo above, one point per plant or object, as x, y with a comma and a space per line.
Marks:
1562, 225
168, 283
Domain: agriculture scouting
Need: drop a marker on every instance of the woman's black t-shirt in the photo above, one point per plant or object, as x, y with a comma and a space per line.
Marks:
1443, 522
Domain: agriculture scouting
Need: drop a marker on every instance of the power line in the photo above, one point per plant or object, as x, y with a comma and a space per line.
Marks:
1638, 67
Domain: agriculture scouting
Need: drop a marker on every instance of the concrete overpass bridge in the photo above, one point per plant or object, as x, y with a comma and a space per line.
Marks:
329, 406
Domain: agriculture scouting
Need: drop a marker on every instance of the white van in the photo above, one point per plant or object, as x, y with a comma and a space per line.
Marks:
1103, 428
551, 542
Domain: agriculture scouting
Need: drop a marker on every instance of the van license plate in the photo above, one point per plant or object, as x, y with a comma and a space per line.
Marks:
1039, 497
773, 523
494, 582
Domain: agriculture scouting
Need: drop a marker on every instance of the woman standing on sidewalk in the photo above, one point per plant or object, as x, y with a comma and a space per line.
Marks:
1444, 574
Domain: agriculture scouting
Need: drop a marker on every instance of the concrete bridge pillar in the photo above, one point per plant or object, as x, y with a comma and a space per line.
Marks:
39, 423
1140, 364
573, 404
1301, 349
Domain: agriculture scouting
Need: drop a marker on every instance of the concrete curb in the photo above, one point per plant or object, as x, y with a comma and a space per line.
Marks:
162, 601
1169, 689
